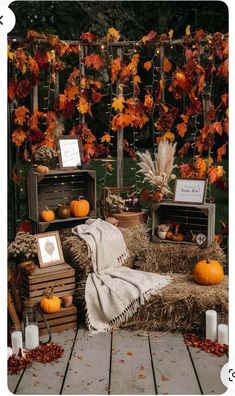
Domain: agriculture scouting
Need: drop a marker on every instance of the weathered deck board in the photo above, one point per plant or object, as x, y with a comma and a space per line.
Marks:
47, 378
131, 369
13, 380
88, 371
173, 368
208, 369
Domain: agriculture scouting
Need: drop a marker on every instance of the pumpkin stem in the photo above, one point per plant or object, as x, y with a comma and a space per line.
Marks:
46, 207
81, 197
207, 260
51, 292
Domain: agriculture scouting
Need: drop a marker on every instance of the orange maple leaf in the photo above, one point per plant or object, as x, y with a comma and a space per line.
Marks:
148, 102
168, 135
113, 34
18, 137
223, 69
33, 66
185, 117
217, 126
94, 61
84, 106
118, 103
71, 92
21, 60
62, 101
221, 151
89, 150
148, 65
149, 37
106, 138
186, 170
21, 115
11, 89
181, 129
33, 120
200, 167
167, 66
115, 68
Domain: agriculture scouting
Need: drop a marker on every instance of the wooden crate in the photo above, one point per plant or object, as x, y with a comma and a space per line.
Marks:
58, 187
64, 319
199, 218
34, 286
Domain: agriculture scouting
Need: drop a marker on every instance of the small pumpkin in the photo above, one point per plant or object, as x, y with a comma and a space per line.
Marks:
178, 238
169, 235
63, 211
42, 169
47, 215
51, 303
208, 272
80, 207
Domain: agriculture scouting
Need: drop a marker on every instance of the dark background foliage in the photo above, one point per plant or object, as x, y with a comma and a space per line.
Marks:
132, 18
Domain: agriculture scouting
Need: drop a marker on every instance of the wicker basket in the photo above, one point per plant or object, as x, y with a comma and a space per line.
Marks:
129, 219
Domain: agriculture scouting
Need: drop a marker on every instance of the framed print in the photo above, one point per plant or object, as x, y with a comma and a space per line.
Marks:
49, 249
70, 152
190, 190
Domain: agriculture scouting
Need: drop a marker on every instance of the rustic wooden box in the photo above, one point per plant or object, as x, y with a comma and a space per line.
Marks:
64, 319
34, 286
200, 218
58, 187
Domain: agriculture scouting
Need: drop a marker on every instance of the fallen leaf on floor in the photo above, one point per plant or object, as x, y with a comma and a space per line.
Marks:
120, 361
163, 378
142, 376
129, 353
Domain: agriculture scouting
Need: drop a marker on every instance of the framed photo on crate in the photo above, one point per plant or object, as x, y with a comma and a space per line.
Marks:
70, 152
190, 190
49, 249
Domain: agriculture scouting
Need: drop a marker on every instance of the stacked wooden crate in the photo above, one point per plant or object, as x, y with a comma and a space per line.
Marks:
35, 286
58, 187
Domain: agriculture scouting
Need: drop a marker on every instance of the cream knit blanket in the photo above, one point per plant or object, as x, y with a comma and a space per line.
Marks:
113, 293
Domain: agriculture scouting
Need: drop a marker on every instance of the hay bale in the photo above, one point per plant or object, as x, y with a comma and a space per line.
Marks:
177, 258
181, 306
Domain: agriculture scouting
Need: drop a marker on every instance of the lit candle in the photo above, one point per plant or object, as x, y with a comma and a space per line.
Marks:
31, 336
211, 325
17, 342
223, 334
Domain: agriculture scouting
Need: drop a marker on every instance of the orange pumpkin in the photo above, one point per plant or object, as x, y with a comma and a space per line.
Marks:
47, 215
157, 196
208, 272
42, 169
79, 208
51, 303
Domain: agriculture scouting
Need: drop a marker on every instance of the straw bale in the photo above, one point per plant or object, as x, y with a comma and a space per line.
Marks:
181, 306
177, 258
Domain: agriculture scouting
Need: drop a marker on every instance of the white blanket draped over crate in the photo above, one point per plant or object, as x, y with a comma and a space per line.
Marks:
113, 292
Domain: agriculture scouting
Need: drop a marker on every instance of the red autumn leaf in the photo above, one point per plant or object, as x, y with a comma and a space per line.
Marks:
15, 176
148, 65
26, 154
225, 125
21, 114
204, 131
42, 59
224, 99
188, 54
94, 61
88, 36
217, 126
149, 37
11, 89
211, 114
186, 170
181, 129
33, 66
184, 149
96, 97
23, 88
116, 67
221, 151
18, 137
223, 69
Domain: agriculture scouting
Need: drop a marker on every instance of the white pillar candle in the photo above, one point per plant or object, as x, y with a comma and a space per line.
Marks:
31, 336
223, 334
211, 325
17, 342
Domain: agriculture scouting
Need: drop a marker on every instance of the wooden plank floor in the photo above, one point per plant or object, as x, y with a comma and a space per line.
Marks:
123, 362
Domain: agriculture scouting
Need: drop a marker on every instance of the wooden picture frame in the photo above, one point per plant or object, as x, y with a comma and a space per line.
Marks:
49, 249
69, 151
190, 190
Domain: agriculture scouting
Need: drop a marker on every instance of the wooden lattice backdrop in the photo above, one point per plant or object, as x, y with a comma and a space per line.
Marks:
113, 92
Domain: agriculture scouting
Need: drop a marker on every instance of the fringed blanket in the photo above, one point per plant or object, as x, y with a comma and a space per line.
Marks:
113, 293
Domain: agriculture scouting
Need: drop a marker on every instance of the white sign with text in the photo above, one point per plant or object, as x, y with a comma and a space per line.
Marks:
190, 190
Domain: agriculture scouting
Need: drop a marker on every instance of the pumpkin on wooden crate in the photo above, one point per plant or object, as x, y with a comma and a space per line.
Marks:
50, 304
63, 211
208, 272
42, 169
47, 215
80, 207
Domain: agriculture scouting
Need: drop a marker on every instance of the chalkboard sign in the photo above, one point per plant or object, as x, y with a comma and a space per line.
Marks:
190, 190
70, 152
